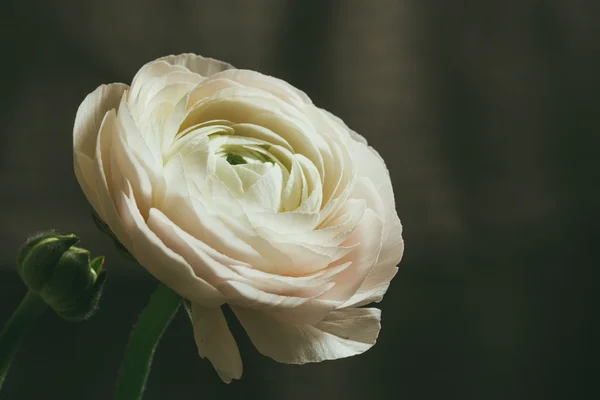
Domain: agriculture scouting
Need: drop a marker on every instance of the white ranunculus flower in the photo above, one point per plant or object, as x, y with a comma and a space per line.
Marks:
230, 186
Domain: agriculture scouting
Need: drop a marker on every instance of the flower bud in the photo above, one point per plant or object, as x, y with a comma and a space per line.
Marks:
62, 274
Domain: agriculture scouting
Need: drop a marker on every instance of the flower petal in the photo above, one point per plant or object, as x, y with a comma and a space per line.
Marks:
377, 282
104, 182
342, 333
373, 172
303, 286
91, 113
370, 165
191, 216
85, 174
266, 191
215, 341
201, 65
206, 263
162, 262
155, 76
143, 146
132, 170
367, 241
272, 85
94, 115
293, 310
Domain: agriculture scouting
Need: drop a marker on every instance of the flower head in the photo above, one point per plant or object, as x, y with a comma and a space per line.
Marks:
230, 186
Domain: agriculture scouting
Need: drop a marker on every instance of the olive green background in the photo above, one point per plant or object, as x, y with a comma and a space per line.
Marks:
487, 115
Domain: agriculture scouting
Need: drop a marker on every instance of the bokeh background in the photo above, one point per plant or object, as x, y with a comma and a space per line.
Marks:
487, 115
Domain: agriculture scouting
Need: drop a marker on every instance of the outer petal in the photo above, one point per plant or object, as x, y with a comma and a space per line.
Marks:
292, 310
215, 342
231, 284
198, 64
91, 113
88, 121
97, 175
270, 84
86, 176
167, 266
127, 164
156, 88
342, 333
368, 240
371, 166
95, 178
377, 282
304, 286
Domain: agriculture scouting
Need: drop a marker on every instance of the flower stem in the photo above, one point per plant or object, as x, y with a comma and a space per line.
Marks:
31, 307
146, 334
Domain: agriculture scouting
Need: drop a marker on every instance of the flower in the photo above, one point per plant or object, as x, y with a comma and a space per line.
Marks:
231, 187
61, 274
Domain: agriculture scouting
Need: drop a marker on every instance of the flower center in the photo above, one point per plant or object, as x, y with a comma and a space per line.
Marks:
253, 165
243, 154
235, 159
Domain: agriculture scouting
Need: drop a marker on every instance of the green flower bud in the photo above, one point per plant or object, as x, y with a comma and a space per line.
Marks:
62, 274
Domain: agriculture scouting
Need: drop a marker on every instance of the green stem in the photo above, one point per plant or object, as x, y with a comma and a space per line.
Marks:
146, 334
31, 307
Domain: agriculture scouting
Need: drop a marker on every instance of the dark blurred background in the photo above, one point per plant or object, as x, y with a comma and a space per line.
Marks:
487, 115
